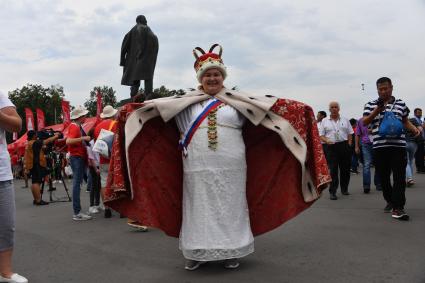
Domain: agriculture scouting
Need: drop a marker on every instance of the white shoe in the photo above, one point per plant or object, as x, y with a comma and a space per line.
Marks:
93, 210
15, 278
60, 181
81, 217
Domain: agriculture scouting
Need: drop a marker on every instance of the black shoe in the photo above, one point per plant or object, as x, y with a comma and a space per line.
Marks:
41, 202
333, 197
366, 190
399, 214
388, 208
345, 193
108, 213
379, 188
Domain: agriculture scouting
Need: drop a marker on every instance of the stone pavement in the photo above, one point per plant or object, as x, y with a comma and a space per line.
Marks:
348, 240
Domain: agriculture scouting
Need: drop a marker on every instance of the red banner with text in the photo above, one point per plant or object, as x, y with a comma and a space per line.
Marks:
40, 119
66, 113
29, 118
98, 104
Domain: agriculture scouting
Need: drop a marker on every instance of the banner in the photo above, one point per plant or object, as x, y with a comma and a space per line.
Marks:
98, 104
66, 113
40, 119
29, 117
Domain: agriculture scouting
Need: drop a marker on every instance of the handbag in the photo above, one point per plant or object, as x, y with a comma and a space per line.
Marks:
103, 144
390, 126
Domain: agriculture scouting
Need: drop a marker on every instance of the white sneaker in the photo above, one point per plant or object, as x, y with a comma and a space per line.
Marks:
81, 217
15, 278
60, 181
93, 210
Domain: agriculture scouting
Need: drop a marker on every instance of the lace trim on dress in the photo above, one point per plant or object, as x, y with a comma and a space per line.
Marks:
218, 254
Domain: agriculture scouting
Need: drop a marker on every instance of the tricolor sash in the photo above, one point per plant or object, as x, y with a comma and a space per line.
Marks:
195, 123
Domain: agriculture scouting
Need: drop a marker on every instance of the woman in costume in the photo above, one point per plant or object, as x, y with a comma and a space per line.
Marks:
215, 212
246, 165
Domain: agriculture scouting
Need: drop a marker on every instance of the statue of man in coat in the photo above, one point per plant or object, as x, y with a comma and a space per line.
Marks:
139, 51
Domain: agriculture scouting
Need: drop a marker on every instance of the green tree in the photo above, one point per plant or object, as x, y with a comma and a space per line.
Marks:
36, 96
108, 98
162, 91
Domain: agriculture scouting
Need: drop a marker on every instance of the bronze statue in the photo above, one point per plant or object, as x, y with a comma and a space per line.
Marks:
139, 50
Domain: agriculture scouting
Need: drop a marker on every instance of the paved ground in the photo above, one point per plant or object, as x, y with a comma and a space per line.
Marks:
348, 240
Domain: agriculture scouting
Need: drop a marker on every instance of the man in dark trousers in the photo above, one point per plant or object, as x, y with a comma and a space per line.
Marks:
336, 134
139, 51
390, 151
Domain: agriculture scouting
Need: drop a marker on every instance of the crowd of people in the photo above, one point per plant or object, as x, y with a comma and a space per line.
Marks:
348, 141
216, 222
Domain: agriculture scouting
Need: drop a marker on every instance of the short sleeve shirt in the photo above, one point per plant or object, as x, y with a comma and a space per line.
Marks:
5, 169
336, 131
400, 110
79, 149
362, 131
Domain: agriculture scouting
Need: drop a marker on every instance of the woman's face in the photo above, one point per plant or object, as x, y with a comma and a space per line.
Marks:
212, 81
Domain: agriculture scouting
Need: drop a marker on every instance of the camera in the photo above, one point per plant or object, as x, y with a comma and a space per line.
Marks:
380, 103
48, 133
44, 135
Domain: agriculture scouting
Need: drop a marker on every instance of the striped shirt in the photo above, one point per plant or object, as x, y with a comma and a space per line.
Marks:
400, 110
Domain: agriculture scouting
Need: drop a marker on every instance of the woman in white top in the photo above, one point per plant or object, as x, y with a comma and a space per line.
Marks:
11, 122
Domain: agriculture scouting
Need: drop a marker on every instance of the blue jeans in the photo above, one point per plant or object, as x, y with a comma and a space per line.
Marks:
78, 167
367, 162
89, 180
411, 148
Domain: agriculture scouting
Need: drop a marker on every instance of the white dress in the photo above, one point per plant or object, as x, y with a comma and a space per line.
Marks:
215, 222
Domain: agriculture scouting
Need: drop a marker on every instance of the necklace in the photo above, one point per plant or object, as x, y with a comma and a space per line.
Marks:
212, 129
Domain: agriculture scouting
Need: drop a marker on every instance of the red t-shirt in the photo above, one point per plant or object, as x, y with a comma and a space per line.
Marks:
105, 124
78, 149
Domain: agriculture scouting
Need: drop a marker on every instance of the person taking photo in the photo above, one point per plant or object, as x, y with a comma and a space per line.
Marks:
36, 163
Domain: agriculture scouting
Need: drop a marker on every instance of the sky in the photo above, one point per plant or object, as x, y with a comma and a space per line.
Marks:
310, 51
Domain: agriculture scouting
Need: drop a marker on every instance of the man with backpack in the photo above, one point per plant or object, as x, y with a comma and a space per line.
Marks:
385, 114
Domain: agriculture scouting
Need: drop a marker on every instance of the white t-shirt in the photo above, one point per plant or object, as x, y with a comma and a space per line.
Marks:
336, 131
5, 169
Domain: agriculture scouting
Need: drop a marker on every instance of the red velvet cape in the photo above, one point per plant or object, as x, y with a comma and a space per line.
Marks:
273, 174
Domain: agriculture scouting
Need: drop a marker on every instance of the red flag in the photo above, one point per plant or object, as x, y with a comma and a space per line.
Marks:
66, 113
98, 104
15, 136
29, 116
40, 119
